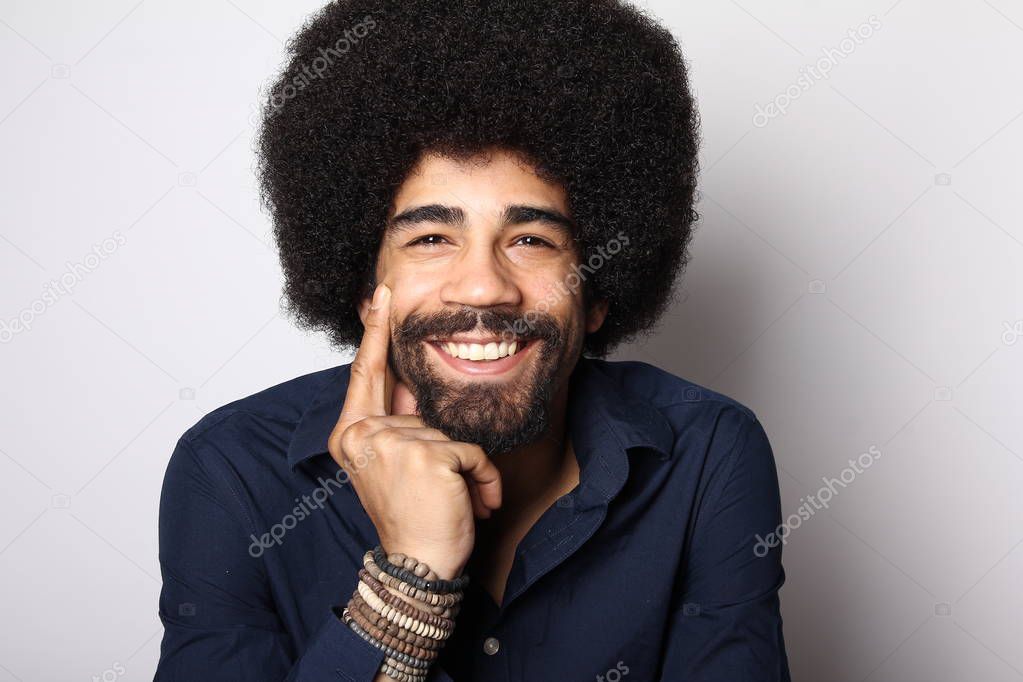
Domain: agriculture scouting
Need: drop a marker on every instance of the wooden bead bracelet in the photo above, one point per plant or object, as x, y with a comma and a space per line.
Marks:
352, 619
432, 598
402, 608
401, 605
414, 572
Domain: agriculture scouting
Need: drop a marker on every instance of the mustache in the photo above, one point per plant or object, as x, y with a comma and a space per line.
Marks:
507, 322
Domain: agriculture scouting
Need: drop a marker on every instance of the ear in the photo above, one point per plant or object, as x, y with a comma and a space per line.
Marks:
595, 315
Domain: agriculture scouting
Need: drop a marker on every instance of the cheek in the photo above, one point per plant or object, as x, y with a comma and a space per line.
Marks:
555, 297
410, 290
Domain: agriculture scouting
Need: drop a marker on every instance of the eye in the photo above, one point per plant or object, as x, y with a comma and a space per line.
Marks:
424, 240
537, 241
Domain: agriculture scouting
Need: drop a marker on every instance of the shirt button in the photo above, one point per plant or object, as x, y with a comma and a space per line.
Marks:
491, 645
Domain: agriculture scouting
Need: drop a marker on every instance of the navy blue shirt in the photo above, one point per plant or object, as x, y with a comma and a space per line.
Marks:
649, 569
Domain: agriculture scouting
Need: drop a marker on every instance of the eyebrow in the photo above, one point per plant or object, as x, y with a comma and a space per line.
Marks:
454, 216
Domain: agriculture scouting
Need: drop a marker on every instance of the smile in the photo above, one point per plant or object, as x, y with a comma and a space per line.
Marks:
482, 356
479, 351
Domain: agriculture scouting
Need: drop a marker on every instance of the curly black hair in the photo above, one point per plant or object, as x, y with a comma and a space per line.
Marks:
593, 93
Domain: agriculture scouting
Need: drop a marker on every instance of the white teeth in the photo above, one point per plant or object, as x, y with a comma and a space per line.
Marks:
480, 352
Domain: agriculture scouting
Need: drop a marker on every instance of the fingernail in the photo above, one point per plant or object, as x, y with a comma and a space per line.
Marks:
380, 296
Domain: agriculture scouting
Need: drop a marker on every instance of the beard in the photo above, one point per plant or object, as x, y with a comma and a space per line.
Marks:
497, 416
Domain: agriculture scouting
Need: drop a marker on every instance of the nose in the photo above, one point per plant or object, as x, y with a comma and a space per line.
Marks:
479, 277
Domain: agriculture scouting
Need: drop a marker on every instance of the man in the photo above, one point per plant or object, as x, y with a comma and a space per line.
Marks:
485, 198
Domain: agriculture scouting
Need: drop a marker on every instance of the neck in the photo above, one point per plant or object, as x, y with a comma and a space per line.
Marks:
545, 468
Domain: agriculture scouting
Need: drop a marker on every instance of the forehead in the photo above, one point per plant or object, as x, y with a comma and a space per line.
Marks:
483, 182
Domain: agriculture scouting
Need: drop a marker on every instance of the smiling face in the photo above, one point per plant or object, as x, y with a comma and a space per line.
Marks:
487, 313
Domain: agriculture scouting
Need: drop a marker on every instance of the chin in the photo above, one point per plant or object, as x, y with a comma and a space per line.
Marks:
486, 414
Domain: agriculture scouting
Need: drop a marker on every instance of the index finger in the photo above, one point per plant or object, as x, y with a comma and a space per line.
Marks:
371, 382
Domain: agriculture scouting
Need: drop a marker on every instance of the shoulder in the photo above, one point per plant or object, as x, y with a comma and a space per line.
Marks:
711, 433
283, 403
228, 454
277, 408
720, 451
671, 395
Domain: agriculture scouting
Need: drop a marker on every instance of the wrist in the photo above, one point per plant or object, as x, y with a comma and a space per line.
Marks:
439, 560
410, 633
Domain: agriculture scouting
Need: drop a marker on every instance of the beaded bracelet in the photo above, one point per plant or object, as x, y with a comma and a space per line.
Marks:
353, 622
367, 579
402, 620
400, 604
432, 598
409, 572
400, 676
388, 631
402, 609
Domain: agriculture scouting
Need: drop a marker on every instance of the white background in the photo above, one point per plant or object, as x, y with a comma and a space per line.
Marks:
856, 280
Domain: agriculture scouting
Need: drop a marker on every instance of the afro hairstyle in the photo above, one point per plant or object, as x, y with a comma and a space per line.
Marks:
593, 94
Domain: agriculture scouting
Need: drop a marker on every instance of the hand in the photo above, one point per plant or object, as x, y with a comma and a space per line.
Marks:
420, 488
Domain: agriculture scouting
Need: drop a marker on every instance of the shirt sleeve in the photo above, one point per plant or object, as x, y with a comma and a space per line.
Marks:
218, 613
726, 623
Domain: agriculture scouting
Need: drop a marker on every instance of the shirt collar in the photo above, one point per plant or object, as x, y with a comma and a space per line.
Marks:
607, 423
604, 420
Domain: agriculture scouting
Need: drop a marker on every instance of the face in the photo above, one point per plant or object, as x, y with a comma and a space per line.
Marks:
487, 314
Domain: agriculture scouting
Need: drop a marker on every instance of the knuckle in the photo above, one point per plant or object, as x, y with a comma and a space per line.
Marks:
470, 451
414, 449
388, 439
352, 436
438, 433
419, 455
